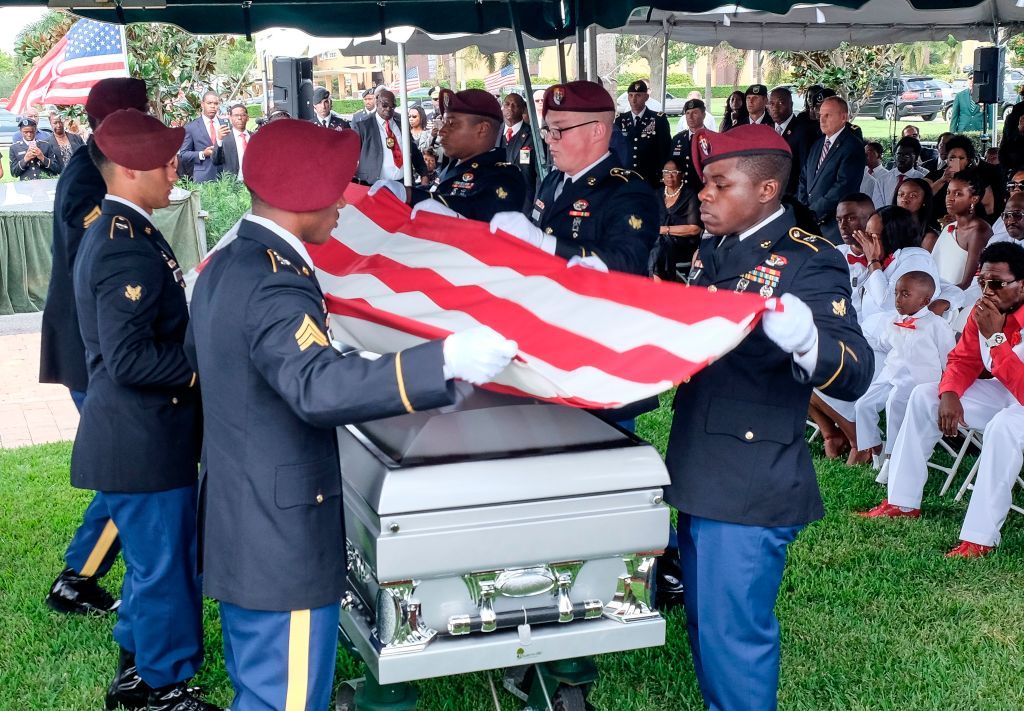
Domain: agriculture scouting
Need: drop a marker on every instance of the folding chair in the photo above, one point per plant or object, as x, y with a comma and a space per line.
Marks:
815, 431
971, 437
969, 486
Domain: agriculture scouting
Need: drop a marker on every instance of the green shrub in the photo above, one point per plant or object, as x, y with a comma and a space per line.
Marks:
225, 200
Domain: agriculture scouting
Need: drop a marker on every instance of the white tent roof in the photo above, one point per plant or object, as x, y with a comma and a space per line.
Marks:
825, 26
418, 42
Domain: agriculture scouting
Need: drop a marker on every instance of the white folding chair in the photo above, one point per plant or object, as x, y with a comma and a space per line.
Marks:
969, 486
815, 431
971, 437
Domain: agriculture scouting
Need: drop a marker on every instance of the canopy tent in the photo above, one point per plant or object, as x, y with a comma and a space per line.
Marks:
826, 25
420, 42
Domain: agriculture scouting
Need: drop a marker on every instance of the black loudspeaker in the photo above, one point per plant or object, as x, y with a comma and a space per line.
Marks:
988, 75
293, 86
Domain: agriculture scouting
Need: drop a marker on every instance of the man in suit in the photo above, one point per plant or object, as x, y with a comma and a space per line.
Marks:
794, 130
742, 477
834, 166
381, 156
235, 142
32, 155
965, 114
204, 136
323, 111
76, 205
757, 105
259, 332
646, 134
939, 161
369, 106
138, 440
517, 142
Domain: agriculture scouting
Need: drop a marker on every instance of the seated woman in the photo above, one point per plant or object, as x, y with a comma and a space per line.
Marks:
890, 244
915, 194
681, 227
960, 155
959, 245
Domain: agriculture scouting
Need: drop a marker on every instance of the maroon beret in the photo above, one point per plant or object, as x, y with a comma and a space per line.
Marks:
130, 138
110, 95
317, 181
583, 96
470, 101
745, 140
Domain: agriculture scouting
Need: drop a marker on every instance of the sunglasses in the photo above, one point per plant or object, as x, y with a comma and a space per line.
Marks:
1013, 215
670, 172
995, 284
1014, 185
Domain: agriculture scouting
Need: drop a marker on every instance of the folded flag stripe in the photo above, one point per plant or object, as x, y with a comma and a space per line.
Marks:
585, 338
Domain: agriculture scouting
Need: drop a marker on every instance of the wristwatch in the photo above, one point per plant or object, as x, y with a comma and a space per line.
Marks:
996, 339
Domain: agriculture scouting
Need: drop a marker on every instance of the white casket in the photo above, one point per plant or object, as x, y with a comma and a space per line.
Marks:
498, 532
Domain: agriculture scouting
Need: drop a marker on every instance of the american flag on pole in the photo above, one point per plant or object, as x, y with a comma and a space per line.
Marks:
90, 51
586, 338
412, 81
506, 76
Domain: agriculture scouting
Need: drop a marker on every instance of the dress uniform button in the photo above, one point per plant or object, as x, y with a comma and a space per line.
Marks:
320, 497
712, 288
174, 401
748, 436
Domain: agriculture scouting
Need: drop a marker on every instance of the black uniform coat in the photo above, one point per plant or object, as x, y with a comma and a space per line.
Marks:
140, 428
680, 152
736, 450
647, 143
800, 135
608, 211
34, 169
76, 206
333, 122
520, 153
478, 188
272, 525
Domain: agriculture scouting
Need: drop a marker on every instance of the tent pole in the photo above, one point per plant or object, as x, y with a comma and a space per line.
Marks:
531, 110
592, 53
581, 55
560, 46
664, 69
403, 90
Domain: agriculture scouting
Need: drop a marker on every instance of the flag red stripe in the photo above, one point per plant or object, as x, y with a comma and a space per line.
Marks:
534, 335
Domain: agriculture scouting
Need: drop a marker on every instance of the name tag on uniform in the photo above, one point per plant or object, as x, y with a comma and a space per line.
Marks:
524, 156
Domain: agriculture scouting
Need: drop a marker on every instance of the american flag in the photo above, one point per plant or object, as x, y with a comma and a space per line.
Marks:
412, 81
506, 76
586, 339
90, 51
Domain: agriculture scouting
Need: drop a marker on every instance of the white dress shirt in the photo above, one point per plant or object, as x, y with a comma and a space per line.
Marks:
130, 204
240, 147
388, 169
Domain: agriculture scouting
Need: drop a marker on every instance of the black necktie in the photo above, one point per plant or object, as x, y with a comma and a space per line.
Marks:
726, 248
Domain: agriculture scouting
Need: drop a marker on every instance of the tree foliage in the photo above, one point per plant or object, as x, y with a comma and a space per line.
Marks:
651, 50
848, 69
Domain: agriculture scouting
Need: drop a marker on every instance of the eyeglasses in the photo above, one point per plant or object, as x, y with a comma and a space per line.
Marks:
670, 172
1013, 215
1014, 185
555, 133
994, 284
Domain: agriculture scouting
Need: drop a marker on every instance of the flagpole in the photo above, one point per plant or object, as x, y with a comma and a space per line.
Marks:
124, 50
403, 90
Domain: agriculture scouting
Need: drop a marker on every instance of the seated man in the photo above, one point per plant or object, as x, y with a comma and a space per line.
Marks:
990, 341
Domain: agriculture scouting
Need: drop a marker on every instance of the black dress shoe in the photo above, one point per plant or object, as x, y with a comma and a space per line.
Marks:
76, 593
178, 697
127, 690
668, 591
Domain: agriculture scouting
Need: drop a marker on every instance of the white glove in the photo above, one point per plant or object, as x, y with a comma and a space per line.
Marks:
592, 262
518, 225
436, 207
396, 188
792, 329
477, 354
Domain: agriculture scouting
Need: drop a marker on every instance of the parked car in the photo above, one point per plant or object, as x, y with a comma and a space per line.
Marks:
1013, 81
9, 127
673, 105
897, 97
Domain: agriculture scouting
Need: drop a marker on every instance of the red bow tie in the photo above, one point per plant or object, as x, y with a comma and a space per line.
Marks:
854, 259
906, 323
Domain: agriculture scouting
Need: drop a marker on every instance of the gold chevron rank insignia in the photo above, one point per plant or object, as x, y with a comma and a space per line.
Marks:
309, 334
91, 217
133, 293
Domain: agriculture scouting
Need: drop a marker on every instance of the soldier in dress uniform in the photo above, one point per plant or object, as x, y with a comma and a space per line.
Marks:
323, 112
139, 437
33, 155
646, 133
694, 112
76, 206
589, 207
273, 518
742, 477
756, 98
478, 181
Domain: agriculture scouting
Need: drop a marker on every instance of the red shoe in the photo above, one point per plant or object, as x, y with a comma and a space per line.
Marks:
966, 549
887, 510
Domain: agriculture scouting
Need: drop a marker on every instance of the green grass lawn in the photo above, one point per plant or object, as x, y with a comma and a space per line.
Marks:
873, 616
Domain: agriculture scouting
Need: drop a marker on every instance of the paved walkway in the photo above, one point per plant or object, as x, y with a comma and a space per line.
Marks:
30, 413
